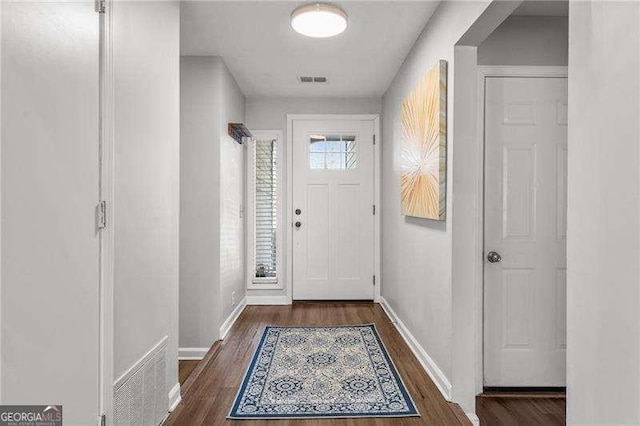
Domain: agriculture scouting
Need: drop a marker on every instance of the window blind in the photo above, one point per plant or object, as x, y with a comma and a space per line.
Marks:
266, 208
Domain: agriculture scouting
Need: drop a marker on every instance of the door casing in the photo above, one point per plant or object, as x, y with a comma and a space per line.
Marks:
483, 73
107, 191
375, 118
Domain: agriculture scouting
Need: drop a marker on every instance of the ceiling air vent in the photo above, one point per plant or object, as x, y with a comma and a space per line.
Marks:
313, 79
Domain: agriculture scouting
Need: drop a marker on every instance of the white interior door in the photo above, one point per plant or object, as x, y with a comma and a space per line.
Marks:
50, 244
333, 234
525, 225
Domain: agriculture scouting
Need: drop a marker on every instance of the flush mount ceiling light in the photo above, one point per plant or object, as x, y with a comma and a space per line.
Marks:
319, 20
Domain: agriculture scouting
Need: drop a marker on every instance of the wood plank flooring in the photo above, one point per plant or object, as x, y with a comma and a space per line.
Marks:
518, 410
185, 368
210, 395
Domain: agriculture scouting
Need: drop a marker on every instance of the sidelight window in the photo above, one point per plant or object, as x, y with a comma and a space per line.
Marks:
264, 210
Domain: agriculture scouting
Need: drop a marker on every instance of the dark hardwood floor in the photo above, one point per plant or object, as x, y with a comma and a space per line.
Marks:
213, 385
514, 409
210, 386
185, 368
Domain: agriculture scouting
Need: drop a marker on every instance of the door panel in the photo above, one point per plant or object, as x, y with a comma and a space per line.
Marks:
560, 313
517, 315
317, 226
348, 231
50, 257
525, 222
333, 188
519, 199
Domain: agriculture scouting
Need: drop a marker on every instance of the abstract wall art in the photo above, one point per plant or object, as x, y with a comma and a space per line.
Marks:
424, 146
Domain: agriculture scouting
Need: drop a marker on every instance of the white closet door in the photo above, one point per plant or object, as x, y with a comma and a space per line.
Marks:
525, 225
50, 257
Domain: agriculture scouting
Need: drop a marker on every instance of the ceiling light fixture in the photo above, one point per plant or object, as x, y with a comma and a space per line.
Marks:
319, 20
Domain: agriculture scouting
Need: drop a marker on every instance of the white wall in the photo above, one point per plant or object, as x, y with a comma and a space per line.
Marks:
232, 190
466, 269
603, 236
200, 307
423, 260
416, 253
271, 114
212, 190
527, 40
146, 104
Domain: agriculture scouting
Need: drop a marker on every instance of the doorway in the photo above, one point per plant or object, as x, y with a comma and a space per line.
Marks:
525, 155
334, 234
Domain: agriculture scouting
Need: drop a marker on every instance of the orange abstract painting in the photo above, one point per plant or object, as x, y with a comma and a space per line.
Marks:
424, 147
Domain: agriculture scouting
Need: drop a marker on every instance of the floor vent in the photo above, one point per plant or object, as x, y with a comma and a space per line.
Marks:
313, 79
140, 395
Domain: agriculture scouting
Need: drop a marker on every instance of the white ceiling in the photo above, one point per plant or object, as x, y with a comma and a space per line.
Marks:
266, 56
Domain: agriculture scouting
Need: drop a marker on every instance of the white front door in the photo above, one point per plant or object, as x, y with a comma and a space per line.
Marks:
525, 231
333, 240
50, 186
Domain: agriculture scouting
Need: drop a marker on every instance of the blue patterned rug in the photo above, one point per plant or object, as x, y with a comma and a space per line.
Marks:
321, 372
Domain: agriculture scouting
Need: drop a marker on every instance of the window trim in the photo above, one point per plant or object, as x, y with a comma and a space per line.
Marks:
252, 282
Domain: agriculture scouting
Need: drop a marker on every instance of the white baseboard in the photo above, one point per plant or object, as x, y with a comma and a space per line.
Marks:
233, 316
436, 374
174, 397
268, 300
192, 354
475, 420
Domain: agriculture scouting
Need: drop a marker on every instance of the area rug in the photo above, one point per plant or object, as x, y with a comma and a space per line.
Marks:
321, 372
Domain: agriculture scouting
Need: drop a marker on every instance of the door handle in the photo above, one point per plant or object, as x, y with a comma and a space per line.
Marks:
494, 257
298, 225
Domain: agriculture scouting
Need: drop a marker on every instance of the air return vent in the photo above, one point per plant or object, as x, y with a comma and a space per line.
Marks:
140, 395
313, 79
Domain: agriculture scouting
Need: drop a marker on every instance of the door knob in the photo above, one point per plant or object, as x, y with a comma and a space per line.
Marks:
494, 257
298, 225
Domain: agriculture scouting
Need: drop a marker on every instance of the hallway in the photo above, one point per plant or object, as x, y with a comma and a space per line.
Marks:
327, 210
208, 400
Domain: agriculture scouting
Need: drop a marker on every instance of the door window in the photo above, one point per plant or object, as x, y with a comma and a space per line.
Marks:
332, 152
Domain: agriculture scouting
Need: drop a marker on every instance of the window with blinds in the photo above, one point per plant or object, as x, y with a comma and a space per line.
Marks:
265, 210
